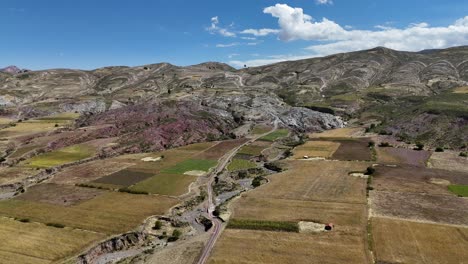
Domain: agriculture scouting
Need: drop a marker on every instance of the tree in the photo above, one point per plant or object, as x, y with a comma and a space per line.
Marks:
419, 146
370, 171
439, 149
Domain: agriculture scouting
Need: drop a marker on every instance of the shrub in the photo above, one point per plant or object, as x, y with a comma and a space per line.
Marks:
370, 171
419, 146
463, 154
175, 235
24, 220
439, 149
157, 225
257, 181
126, 190
371, 144
263, 225
55, 225
384, 145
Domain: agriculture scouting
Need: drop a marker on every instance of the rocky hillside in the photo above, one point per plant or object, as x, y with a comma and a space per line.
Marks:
392, 87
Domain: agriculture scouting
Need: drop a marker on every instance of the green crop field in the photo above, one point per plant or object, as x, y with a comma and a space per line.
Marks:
61, 156
240, 164
259, 129
165, 184
191, 165
275, 135
263, 225
251, 150
460, 190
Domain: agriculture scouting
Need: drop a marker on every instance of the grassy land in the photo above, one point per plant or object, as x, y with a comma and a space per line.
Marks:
61, 156
21, 151
38, 243
460, 190
240, 164
165, 184
263, 225
275, 135
191, 165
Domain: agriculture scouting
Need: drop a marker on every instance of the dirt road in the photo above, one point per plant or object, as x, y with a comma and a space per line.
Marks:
217, 224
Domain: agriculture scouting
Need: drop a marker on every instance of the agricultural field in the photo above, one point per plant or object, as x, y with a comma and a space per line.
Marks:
317, 180
324, 149
254, 149
253, 246
64, 195
450, 161
15, 174
240, 164
124, 178
191, 165
460, 190
109, 213
353, 149
280, 133
220, 149
347, 132
63, 156
89, 171
165, 184
417, 193
260, 129
37, 243
312, 191
390, 155
461, 90
396, 241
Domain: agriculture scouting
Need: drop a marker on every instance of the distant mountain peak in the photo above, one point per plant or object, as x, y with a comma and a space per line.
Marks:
12, 69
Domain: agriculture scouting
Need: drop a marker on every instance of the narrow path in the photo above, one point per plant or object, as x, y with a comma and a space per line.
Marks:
217, 224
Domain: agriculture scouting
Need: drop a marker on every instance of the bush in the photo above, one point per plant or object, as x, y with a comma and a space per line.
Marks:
157, 225
175, 235
463, 154
257, 181
419, 146
126, 190
439, 149
384, 145
370, 171
55, 225
371, 144
24, 220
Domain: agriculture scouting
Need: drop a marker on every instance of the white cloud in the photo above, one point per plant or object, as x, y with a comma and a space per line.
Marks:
294, 25
227, 45
216, 29
324, 2
268, 60
248, 38
232, 55
260, 32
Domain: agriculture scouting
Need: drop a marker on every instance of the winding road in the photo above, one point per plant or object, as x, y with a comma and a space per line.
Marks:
217, 224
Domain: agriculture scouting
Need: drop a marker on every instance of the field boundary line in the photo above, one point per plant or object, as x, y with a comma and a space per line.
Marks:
419, 221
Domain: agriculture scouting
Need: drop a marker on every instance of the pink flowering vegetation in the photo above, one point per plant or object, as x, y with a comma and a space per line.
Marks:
153, 127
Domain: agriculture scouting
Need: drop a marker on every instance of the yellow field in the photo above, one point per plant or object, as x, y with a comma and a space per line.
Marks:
324, 149
347, 217
4, 120
15, 174
398, 241
339, 133
448, 161
110, 213
314, 191
317, 180
461, 90
26, 128
37, 243
249, 246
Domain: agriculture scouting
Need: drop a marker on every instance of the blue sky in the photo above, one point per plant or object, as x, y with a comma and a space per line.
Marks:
89, 34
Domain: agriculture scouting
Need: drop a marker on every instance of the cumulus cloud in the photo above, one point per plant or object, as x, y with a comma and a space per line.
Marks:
295, 25
267, 60
216, 29
324, 2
